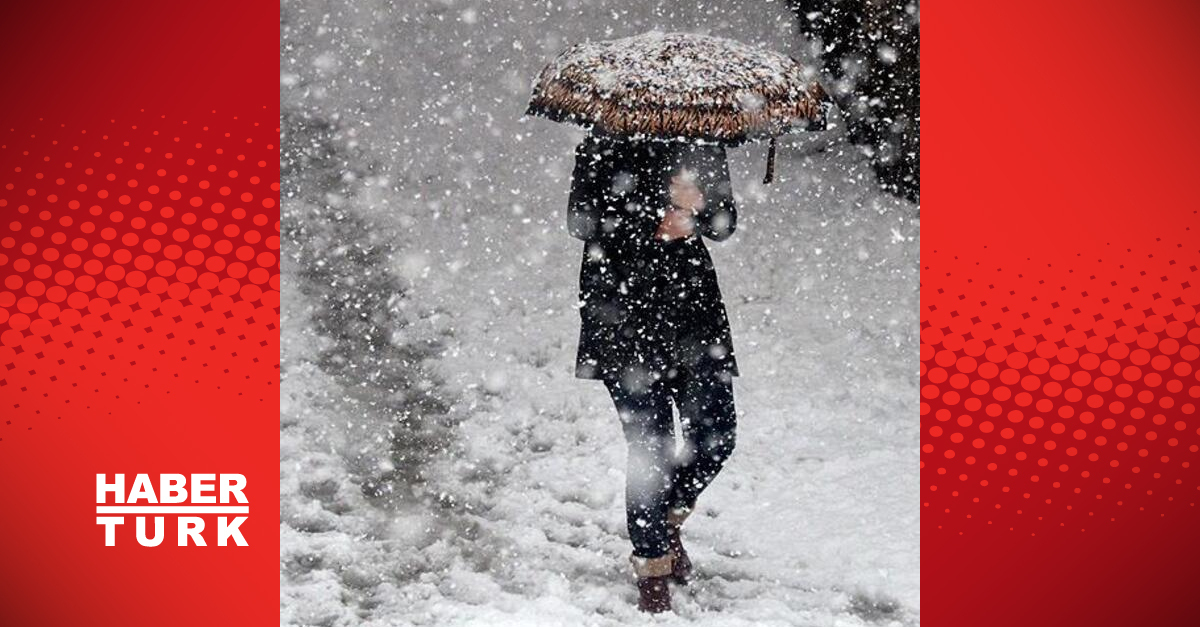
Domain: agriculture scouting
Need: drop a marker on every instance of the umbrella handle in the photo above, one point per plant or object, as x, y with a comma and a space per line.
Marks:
770, 162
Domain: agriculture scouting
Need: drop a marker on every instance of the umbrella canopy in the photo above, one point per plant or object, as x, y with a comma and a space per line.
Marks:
680, 86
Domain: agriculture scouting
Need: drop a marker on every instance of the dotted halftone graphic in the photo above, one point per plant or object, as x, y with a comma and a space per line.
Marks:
1061, 395
136, 256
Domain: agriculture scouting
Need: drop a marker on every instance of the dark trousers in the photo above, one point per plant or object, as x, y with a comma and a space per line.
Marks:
656, 478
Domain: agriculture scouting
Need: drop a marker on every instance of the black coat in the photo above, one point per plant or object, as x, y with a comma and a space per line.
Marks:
648, 305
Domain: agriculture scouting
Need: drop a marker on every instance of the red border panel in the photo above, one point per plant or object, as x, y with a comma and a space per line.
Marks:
139, 302
1059, 295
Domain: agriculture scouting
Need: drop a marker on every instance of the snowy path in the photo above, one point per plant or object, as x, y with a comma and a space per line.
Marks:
814, 519
819, 500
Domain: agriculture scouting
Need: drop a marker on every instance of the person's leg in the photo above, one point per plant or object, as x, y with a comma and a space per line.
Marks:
647, 422
709, 422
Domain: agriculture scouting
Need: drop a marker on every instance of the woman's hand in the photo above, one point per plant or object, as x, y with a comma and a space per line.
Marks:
686, 202
685, 194
678, 223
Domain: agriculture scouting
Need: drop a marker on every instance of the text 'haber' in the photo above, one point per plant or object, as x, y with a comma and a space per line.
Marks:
186, 498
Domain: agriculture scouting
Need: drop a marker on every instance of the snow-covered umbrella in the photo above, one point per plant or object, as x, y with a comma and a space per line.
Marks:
681, 86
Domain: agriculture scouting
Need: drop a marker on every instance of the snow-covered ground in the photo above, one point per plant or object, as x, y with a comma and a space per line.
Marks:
518, 518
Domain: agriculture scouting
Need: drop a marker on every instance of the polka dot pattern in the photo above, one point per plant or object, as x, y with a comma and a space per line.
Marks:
1061, 397
122, 269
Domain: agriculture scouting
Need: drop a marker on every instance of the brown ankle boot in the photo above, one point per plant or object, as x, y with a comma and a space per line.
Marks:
681, 569
652, 575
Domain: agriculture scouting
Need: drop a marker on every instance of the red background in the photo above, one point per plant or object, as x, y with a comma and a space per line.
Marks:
139, 156
1059, 135
1058, 259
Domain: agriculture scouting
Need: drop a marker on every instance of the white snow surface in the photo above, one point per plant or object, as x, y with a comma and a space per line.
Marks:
696, 62
814, 520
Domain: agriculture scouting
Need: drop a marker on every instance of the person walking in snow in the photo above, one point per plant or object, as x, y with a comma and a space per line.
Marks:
654, 329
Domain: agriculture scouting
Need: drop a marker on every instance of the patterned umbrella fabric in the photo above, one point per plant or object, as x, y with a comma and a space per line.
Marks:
680, 86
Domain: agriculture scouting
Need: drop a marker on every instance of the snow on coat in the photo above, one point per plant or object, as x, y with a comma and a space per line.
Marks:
647, 305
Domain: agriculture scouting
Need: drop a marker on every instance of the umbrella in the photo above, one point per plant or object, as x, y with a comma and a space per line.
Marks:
681, 86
